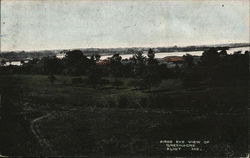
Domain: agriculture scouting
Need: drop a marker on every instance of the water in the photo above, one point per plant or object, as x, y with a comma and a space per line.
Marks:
15, 63
158, 55
165, 54
60, 56
242, 49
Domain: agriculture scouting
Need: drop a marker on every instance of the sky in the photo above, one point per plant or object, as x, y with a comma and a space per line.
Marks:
44, 25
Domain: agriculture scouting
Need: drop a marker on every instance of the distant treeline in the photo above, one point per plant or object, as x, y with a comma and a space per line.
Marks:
215, 68
22, 55
19, 56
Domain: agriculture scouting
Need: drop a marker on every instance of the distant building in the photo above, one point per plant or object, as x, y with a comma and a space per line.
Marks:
175, 59
172, 61
103, 62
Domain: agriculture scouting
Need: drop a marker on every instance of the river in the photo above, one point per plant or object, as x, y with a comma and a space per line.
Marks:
165, 54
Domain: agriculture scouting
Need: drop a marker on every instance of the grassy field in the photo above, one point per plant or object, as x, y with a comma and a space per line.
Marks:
138, 133
125, 121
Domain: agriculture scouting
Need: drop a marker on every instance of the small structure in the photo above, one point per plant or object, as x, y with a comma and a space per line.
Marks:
175, 59
172, 61
103, 62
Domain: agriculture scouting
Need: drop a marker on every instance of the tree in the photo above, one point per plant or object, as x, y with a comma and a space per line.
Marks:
3, 62
94, 58
52, 65
151, 57
116, 59
223, 52
97, 57
237, 52
209, 63
115, 65
188, 60
138, 58
138, 61
76, 62
210, 57
22, 62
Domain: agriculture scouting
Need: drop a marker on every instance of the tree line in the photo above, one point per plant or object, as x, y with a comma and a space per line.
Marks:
214, 68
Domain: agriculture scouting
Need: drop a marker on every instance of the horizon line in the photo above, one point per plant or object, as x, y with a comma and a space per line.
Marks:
61, 49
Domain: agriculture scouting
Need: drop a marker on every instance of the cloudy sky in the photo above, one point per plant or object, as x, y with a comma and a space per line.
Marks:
38, 25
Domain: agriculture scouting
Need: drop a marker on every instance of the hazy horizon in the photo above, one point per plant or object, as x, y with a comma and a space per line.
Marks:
60, 49
53, 25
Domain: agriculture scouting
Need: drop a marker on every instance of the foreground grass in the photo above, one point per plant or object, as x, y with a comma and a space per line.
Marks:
123, 121
64, 92
107, 132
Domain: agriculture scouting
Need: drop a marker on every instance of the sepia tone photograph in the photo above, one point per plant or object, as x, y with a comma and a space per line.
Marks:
124, 79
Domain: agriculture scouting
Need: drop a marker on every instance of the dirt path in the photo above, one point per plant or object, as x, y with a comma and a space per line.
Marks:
35, 130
